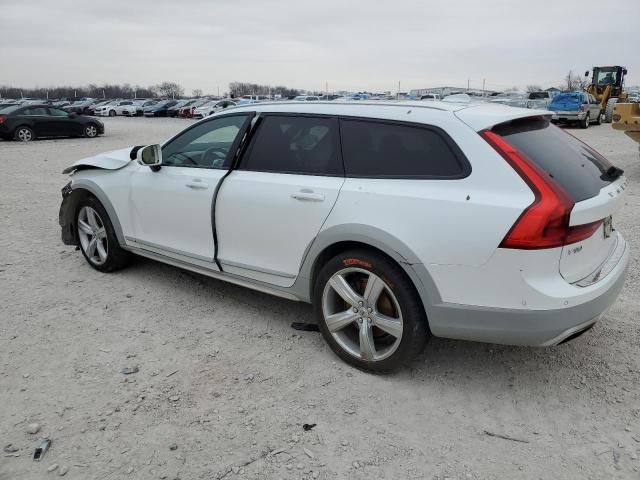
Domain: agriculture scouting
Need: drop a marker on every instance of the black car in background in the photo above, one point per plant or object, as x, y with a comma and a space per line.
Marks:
35, 121
159, 109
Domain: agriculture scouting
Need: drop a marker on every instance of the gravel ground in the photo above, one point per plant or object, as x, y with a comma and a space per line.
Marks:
225, 385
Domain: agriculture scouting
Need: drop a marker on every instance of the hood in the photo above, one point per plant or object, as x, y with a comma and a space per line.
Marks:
107, 161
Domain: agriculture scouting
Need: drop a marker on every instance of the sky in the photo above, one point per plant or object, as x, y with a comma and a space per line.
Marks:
345, 44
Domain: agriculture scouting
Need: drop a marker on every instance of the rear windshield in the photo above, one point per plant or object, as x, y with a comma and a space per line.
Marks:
579, 169
564, 97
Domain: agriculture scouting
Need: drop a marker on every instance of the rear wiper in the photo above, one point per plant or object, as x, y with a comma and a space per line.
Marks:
613, 173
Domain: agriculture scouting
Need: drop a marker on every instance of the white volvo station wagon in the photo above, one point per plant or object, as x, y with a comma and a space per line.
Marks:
397, 221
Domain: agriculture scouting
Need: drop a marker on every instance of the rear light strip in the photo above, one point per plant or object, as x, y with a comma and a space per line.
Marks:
544, 223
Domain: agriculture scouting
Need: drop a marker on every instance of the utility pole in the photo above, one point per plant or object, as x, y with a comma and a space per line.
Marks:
398, 94
326, 89
483, 80
468, 83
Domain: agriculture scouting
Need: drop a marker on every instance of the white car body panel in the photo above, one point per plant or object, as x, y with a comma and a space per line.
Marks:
113, 160
280, 206
158, 202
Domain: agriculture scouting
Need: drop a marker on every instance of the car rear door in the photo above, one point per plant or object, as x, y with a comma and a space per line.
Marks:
171, 208
38, 120
270, 209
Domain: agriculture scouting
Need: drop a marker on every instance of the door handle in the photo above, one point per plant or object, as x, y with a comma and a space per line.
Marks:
308, 196
197, 184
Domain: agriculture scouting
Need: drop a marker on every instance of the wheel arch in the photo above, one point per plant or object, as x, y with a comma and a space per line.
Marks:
80, 190
337, 239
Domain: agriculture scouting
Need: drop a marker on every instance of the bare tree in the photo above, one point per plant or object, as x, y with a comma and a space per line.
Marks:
574, 82
169, 89
533, 88
196, 92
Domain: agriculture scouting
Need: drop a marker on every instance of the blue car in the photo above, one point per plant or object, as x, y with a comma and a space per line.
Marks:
578, 107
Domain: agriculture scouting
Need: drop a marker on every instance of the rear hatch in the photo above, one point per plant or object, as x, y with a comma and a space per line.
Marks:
596, 188
566, 103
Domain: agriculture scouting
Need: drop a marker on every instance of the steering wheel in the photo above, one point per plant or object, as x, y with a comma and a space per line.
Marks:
181, 156
214, 156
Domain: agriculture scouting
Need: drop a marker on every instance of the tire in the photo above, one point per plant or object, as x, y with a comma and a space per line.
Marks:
24, 134
93, 223
585, 123
599, 119
90, 130
112, 113
395, 324
608, 111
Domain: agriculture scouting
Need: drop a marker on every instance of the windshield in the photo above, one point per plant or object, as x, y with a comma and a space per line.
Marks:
534, 95
607, 76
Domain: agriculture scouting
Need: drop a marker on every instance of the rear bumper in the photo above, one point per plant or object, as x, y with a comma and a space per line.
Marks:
568, 116
531, 327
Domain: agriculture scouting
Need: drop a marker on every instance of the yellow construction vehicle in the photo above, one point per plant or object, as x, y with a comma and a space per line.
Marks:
606, 86
626, 117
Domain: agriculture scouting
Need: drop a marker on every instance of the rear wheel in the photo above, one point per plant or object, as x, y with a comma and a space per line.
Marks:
24, 134
585, 123
97, 238
369, 312
599, 118
112, 113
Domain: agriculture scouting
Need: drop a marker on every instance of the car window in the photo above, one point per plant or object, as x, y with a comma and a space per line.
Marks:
56, 112
383, 150
34, 111
295, 144
206, 145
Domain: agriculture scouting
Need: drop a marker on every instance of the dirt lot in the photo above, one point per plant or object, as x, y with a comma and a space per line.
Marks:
226, 381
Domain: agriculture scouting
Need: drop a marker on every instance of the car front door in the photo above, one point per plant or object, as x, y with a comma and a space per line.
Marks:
271, 207
171, 207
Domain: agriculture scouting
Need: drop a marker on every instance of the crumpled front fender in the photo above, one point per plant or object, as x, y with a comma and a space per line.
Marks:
114, 160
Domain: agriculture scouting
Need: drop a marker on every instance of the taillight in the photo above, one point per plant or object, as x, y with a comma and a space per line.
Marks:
2, 119
544, 223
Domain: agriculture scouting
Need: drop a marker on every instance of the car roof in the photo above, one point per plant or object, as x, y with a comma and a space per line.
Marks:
478, 115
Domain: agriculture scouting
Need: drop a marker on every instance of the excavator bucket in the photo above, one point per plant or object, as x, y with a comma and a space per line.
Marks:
626, 117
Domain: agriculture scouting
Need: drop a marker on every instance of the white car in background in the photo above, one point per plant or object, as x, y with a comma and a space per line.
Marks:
113, 108
212, 107
397, 221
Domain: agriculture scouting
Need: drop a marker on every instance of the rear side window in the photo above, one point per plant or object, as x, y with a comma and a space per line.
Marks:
579, 169
34, 111
295, 144
374, 149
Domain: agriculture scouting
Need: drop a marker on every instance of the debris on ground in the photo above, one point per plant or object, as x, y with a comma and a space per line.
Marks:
130, 370
33, 428
305, 327
308, 426
10, 448
41, 449
505, 437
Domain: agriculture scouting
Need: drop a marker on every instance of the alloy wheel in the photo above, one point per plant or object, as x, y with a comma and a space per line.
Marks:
92, 235
362, 314
91, 131
24, 135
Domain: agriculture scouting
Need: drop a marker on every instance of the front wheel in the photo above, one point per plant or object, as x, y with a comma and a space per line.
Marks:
90, 131
369, 311
97, 238
112, 113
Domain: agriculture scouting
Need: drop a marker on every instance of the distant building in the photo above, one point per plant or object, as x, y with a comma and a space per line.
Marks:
444, 91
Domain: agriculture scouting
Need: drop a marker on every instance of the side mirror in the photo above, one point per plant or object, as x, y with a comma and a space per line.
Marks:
586, 74
151, 156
